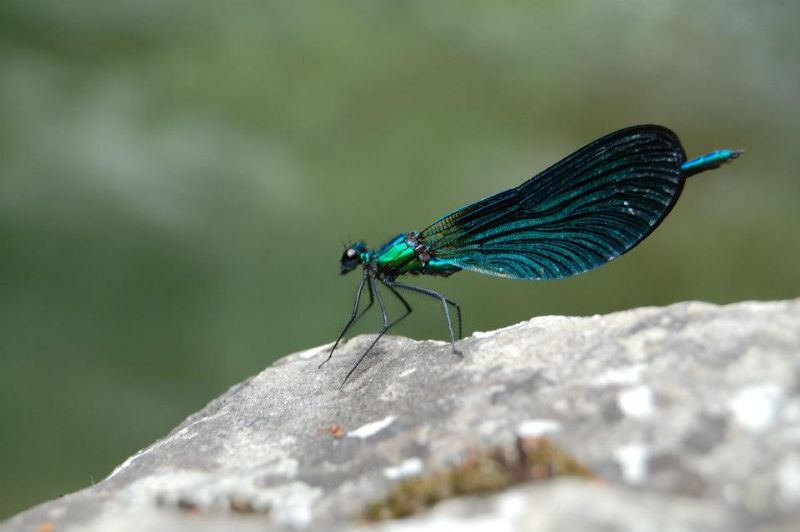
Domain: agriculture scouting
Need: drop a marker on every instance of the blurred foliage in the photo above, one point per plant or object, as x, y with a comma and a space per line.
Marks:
175, 179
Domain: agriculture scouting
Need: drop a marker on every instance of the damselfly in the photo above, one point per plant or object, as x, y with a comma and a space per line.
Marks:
580, 213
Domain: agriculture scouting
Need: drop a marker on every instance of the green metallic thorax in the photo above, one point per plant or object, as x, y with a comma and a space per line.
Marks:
404, 254
396, 254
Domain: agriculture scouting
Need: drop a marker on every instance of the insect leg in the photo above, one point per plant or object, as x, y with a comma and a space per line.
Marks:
445, 301
402, 300
386, 324
355, 316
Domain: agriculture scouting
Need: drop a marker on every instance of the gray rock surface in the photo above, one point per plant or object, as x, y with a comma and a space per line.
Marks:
690, 415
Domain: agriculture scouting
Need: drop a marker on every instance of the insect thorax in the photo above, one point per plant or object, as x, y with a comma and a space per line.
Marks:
407, 253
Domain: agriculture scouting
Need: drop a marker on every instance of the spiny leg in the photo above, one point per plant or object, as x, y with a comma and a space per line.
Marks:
386, 325
355, 316
445, 301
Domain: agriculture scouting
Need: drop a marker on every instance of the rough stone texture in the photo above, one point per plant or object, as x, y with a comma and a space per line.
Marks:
690, 414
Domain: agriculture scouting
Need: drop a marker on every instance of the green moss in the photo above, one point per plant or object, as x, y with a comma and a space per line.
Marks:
532, 459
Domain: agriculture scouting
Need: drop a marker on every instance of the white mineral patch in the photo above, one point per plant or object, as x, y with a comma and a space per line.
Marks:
489, 334
507, 511
754, 407
407, 372
56, 512
293, 504
311, 353
534, 428
406, 468
629, 375
632, 460
636, 402
370, 429
485, 334
789, 482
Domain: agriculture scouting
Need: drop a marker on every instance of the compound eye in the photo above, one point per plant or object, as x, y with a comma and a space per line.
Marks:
351, 253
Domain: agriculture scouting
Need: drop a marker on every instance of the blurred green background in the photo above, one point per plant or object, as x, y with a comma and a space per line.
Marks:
175, 179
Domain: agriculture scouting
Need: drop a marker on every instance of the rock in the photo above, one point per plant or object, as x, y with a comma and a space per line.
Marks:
689, 415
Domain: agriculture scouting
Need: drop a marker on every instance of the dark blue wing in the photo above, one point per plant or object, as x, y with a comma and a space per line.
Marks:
580, 213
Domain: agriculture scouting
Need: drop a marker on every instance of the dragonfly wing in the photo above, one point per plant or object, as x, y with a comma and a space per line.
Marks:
580, 213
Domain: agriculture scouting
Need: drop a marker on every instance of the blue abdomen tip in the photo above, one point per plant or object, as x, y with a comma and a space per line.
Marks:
709, 161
